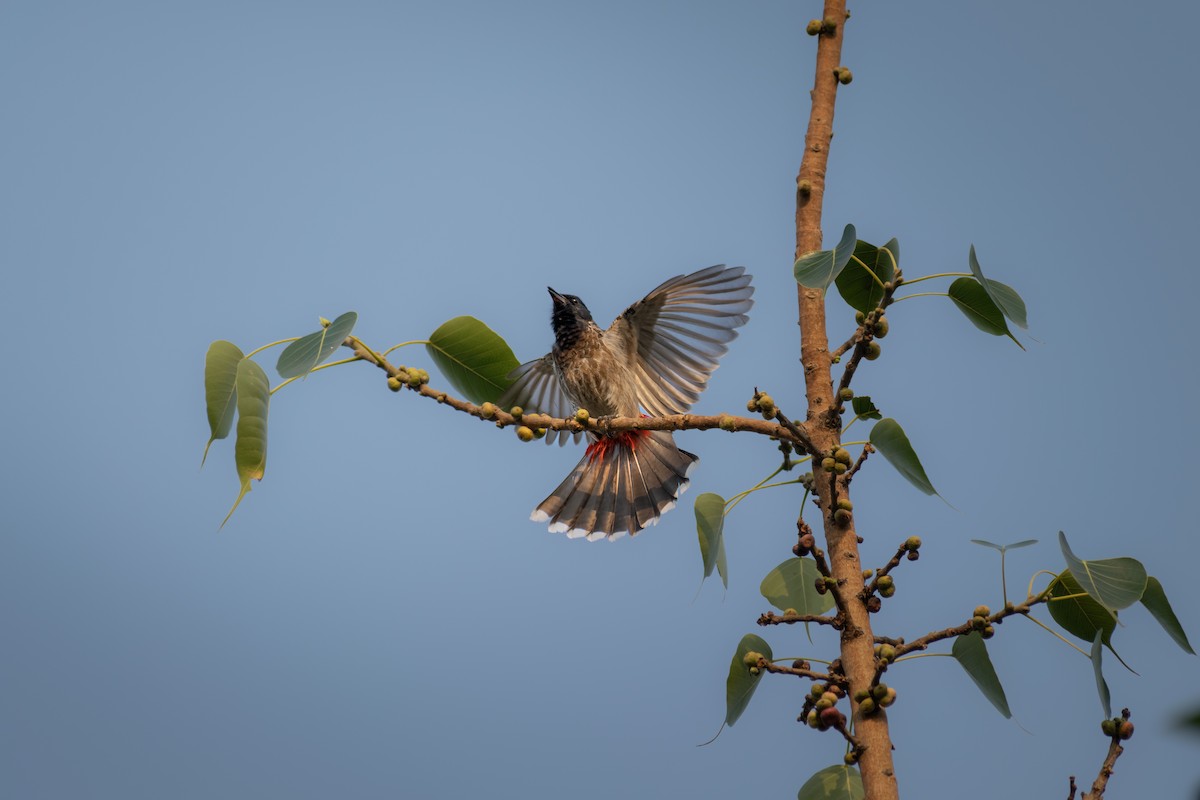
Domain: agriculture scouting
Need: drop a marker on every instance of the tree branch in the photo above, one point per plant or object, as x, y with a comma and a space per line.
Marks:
407, 379
1122, 731
958, 630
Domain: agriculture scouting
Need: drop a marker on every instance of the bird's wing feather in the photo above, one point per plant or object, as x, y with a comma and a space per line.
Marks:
674, 336
536, 388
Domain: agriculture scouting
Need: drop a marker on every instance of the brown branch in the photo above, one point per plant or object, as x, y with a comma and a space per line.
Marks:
404, 379
958, 630
894, 562
1123, 730
799, 672
1071, 795
801, 436
862, 457
771, 618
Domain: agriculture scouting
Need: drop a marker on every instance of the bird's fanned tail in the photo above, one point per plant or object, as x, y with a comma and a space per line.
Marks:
622, 484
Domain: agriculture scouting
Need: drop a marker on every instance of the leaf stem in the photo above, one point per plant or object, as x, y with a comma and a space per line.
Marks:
315, 369
938, 275
404, 344
870, 271
921, 294
272, 344
1057, 635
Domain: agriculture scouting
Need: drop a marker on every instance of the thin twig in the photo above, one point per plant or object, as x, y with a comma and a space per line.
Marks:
1110, 761
959, 630
771, 618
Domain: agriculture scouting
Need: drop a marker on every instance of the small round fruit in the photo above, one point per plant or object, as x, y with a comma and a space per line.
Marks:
395, 384
886, 652
982, 611
987, 632
487, 411
866, 707
751, 659
913, 543
842, 456
887, 591
842, 516
888, 699
525, 433
846, 394
881, 327
844, 502
860, 317
828, 464
844, 75
814, 27
873, 351
516, 412
1109, 727
582, 416
1125, 729
879, 691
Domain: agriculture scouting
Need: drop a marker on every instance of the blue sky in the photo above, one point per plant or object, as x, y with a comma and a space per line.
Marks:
379, 619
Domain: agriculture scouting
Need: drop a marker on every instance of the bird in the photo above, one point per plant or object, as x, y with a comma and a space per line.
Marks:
654, 359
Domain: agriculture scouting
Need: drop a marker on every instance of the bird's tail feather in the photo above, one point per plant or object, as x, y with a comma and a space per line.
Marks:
623, 484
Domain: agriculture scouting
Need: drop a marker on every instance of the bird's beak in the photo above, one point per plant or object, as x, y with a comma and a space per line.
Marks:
558, 298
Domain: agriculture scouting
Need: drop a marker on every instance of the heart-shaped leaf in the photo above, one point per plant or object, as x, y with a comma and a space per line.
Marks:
303, 355
1114, 583
741, 683
710, 526
971, 652
474, 358
1076, 611
1155, 600
793, 584
1005, 297
250, 448
973, 300
861, 282
889, 439
818, 269
1101, 684
838, 782
220, 389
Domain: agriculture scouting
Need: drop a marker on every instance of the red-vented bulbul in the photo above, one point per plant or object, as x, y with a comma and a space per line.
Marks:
656, 356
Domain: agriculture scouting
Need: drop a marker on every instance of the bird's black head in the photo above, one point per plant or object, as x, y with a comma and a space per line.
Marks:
568, 318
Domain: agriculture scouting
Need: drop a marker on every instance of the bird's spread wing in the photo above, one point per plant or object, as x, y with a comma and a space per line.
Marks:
536, 388
675, 335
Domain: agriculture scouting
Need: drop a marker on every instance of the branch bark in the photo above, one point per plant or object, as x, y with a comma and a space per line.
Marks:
824, 421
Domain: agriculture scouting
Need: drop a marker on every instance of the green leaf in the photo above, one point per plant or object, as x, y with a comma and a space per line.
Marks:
1004, 547
818, 269
710, 525
220, 389
1114, 583
1155, 601
973, 300
971, 652
1005, 297
863, 407
793, 585
306, 353
861, 283
473, 358
740, 685
889, 439
1080, 615
838, 782
1101, 684
250, 449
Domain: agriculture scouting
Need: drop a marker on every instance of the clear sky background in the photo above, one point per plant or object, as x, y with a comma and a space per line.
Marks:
380, 619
